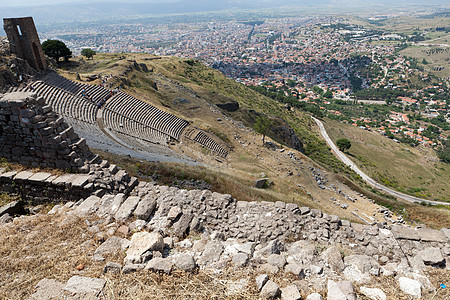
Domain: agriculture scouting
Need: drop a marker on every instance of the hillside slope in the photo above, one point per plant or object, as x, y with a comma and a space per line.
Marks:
415, 171
195, 92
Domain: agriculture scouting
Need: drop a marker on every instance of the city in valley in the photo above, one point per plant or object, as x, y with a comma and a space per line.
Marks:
349, 69
225, 149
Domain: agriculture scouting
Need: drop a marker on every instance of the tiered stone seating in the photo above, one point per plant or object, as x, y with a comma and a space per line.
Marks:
96, 93
130, 127
66, 104
62, 83
135, 122
211, 144
146, 115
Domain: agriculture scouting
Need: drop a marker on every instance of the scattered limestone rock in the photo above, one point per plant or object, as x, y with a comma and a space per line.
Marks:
314, 296
112, 245
276, 260
185, 262
85, 286
145, 208
270, 290
240, 260
142, 242
268, 268
48, 289
332, 256
174, 212
432, 256
290, 292
159, 264
212, 252
260, 183
295, 269
360, 267
342, 290
261, 281
373, 293
410, 286
112, 267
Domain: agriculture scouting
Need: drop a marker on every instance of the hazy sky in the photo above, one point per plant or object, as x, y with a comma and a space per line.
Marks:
4, 3
12, 3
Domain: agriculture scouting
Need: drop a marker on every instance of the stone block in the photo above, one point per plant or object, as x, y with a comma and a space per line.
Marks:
431, 235
7, 176
80, 181
39, 178
12, 208
405, 233
64, 180
88, 206
85, 286
23, 176
126, 209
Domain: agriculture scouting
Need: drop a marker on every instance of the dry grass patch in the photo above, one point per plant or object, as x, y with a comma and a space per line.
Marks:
37, 247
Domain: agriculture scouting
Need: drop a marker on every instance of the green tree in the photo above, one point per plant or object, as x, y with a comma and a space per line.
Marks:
328, 94
343, 144
317, 90
56, 49
88, 52
444, 153
262, 126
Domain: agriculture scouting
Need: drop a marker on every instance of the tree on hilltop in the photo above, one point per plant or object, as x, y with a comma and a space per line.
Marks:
88, 52
262, 126
343, 144
56, 49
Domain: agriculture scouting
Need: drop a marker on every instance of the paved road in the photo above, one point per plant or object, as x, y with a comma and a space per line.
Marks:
364, 176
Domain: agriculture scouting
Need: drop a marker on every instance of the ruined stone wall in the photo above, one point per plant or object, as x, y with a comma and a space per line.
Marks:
24, 41
33, 135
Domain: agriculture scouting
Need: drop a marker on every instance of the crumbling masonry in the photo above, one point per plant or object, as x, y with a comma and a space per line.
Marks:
24, 41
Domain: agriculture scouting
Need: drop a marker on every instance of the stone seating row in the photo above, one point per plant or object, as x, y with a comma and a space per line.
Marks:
66, 104
125, 125
211, 144
96, 93
146, 114
130, 107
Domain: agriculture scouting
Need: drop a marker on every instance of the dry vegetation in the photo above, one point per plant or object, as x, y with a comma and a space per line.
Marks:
41, 247
181, 79
61, 246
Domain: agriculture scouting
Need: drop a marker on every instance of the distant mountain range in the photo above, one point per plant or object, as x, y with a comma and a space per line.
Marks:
100, 9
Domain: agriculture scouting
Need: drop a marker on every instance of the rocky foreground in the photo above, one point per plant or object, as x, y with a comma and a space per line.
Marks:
174, 229
135, 228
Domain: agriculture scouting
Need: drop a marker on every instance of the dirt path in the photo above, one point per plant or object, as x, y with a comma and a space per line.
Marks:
364, 176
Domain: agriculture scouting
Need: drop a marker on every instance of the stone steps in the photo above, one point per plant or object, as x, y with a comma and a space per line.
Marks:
211, 144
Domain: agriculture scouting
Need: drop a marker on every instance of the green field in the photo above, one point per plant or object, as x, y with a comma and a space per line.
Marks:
414, 171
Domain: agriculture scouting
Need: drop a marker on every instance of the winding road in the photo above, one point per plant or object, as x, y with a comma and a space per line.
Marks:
365, 177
